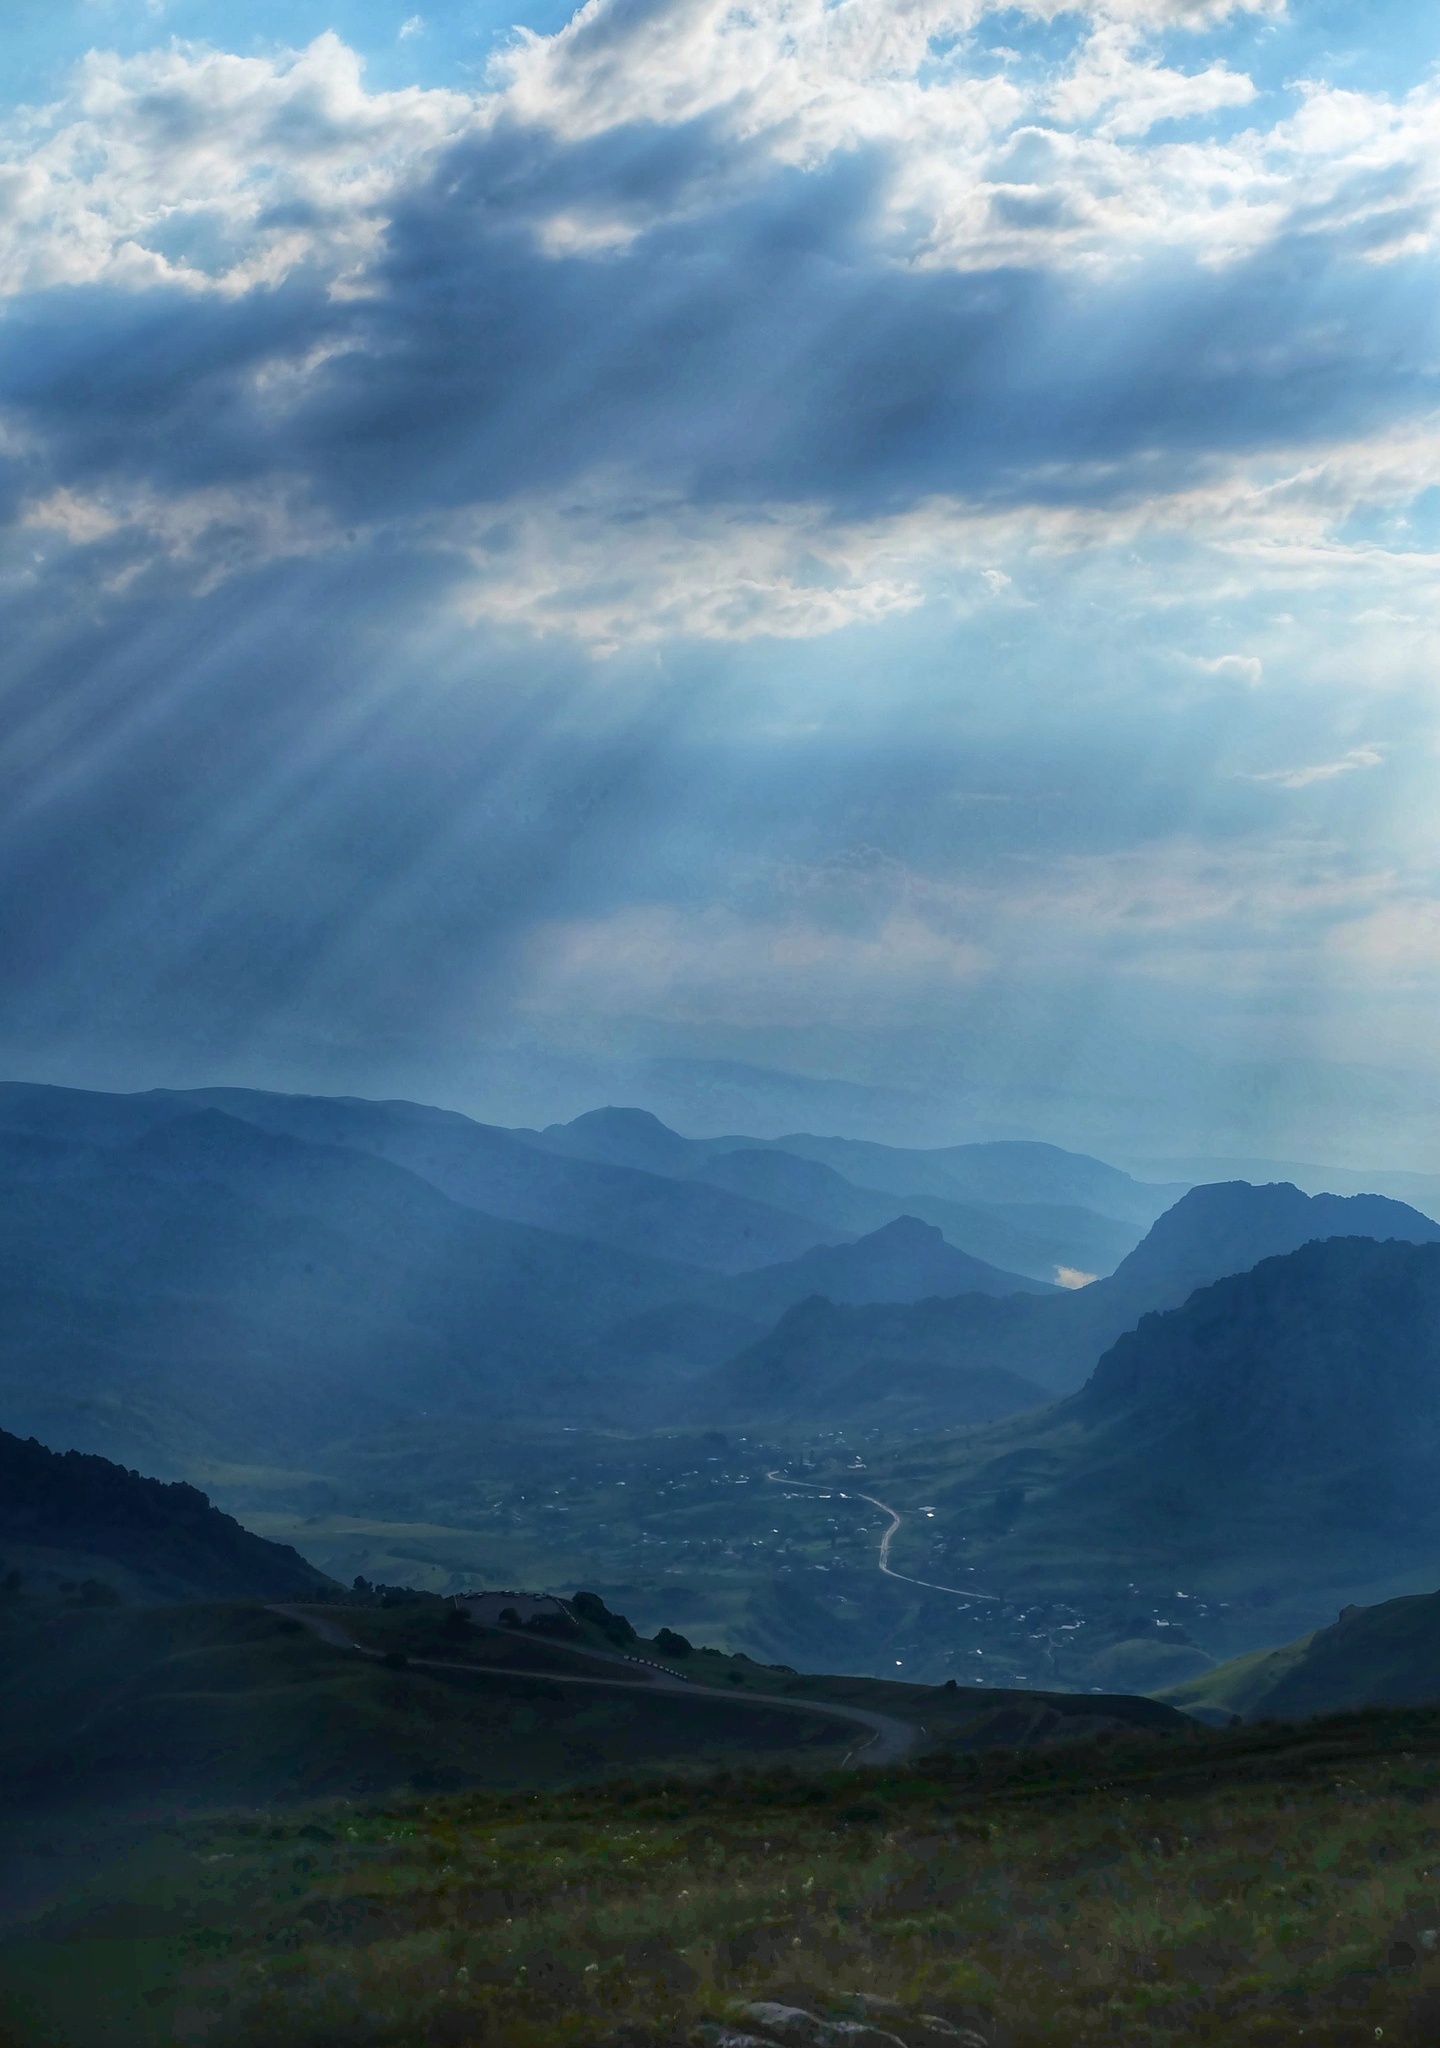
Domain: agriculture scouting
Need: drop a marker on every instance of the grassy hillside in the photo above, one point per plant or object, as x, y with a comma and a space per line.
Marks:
67, 1517
1207, 1891
174, 1707
1382, 1656
170, 1707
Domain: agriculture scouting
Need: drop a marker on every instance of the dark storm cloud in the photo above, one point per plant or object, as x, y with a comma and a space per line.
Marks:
755, 340
258, 774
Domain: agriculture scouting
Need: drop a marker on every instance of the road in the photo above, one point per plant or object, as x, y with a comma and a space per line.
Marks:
889, 1741
840, 1493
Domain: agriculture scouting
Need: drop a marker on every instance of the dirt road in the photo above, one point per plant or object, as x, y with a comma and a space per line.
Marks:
888, 1741
883, 1561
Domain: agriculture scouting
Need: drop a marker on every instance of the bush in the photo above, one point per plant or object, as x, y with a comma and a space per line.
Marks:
590, 1607
671, 1644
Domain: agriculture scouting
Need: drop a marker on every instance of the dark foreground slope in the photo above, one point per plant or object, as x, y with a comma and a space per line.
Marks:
1274, 1441
169, 1709
164, 1710
67, 1516
831, 1369
1200, 1892
1382, 1656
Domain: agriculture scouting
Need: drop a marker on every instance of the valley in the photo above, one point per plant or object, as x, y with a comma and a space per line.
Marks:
767, 1427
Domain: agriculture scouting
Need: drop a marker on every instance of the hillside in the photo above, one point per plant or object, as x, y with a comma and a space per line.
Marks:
1270, 1445
906, 1260
172, 1707
1382, 1656
64, 1516
1055, 1341
823, 1363
323, 1289
1202, 1887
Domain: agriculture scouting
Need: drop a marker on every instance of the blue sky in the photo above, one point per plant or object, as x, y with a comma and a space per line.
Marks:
881, 542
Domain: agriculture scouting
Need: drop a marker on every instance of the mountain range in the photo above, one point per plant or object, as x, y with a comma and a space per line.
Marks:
230, 1274
620, 1177
847, 1364
1269, 1445
226, 1273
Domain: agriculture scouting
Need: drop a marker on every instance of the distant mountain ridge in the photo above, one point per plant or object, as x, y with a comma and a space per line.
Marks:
65, 1512
326, 1287
209, 1289
902, 1261
1050, 1342
1022, 1206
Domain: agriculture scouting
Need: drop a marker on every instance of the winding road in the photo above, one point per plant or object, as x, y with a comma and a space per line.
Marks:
889, 1739
883, 1561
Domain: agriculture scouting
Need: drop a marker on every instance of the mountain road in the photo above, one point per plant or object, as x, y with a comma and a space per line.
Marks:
889, 1739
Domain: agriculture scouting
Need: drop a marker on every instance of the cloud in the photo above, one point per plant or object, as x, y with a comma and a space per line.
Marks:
194, 167
1246, 668
717, 967
1322, 771
750, 519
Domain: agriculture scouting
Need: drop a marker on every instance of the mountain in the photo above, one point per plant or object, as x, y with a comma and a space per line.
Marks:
67, 1516
1229, 1227
624, 1137
1037, 1240
1382, 1656
1054, 1341
1267, 1447
903, 1261
475, 1165
1005, 1172
1422, 1189
823, 1364
1026, 1235
211, 1289
1325, 1360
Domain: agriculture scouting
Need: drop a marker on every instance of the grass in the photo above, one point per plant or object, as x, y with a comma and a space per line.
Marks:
1213, 1890
134, 1709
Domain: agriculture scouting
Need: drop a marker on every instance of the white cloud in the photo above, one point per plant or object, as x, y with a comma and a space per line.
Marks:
1322, 771
224, 172
1246, 668
213, 533
413, 25
613, 572
188, 165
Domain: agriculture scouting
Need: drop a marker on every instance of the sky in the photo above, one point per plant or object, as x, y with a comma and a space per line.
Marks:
867, 564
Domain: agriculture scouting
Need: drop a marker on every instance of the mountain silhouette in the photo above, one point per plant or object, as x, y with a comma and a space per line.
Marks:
902, 1261
63, 1514
1054, 1342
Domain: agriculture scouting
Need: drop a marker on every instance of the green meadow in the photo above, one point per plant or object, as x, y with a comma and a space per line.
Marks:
1201, 1889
